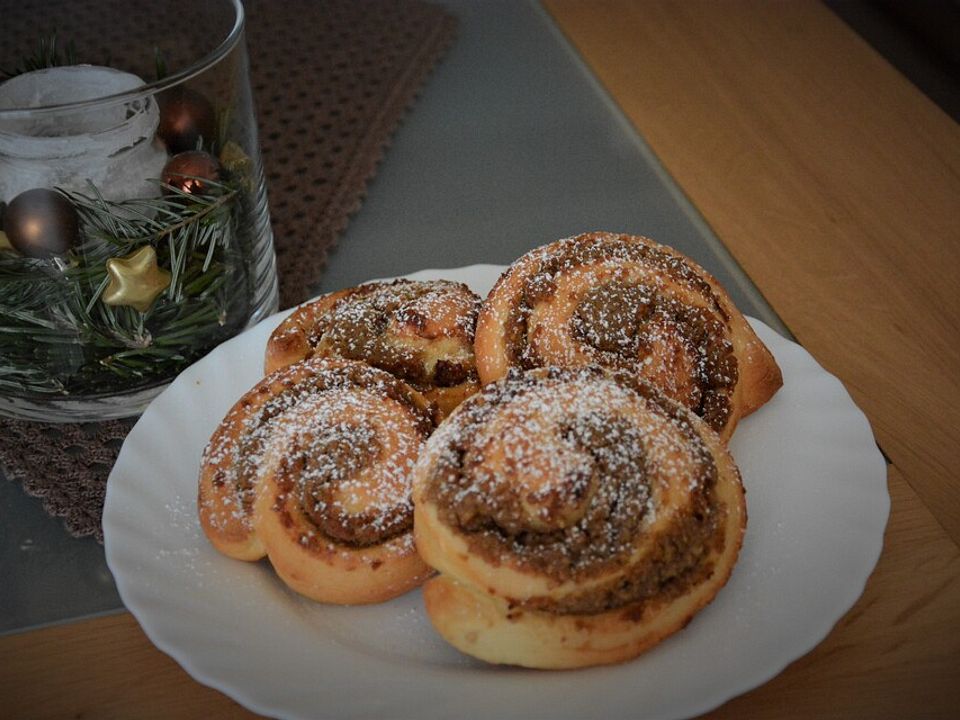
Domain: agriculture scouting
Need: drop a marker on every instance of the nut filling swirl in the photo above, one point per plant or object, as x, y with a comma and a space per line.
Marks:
607, 300
344, 453
589, 478
338, 482
340, 436
364, 327
421, 332
256, 413
312, 468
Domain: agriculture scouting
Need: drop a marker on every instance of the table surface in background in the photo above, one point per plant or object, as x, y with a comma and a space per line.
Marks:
828, 177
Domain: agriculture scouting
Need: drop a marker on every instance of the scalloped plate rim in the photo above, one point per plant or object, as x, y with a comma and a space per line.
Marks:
154, 622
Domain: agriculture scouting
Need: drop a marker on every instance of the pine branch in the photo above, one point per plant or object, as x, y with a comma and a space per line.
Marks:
46, 55
57, 336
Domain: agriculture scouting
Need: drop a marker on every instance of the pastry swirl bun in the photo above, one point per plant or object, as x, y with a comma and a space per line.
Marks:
312, 468
421, 332
577, 517
628, 303
230, 466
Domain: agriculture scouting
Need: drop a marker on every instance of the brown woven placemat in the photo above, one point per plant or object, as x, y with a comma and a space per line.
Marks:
332, 80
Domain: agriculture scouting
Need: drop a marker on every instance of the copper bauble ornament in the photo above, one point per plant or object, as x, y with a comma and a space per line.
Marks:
186, 117
41, 223
135, 280
191, 172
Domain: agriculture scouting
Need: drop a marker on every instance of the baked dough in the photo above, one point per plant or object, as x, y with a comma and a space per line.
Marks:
422, 332
229, 468
325, 450
628, 303
334, 510
576, 516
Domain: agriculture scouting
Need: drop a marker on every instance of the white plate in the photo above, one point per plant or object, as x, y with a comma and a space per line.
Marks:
818, 505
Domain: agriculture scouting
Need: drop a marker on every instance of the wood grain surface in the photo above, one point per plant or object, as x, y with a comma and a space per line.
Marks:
894, 655
836, 185
833, 181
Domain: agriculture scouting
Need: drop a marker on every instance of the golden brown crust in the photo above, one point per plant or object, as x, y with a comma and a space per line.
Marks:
421, 332
289, 343
229, 469
334, 509
327, 447
627, 302
576, 516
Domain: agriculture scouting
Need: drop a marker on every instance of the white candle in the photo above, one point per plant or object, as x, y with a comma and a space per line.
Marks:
112, 145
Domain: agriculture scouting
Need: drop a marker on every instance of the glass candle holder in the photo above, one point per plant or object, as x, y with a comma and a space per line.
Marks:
135, 232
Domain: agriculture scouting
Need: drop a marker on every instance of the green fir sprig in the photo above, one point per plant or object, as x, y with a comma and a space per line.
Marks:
58, 337
47, 54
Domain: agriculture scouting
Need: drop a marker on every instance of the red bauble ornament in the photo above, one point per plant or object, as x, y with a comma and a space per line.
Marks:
186, 116
41, 223
191, 171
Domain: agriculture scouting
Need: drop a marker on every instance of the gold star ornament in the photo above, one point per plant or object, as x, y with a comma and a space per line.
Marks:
135, 280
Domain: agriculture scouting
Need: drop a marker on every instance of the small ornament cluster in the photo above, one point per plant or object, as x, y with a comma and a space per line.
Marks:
43, 224
101, 293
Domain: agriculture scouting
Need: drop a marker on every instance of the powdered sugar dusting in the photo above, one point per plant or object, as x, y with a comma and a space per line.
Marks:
627, 303
565, 470
343, 437
422, 332
347, 462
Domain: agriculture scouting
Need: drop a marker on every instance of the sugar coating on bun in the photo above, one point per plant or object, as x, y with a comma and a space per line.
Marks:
628, 303
576, 516
419, 331
313, 465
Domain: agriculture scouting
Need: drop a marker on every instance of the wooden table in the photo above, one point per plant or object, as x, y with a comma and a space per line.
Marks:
836, 184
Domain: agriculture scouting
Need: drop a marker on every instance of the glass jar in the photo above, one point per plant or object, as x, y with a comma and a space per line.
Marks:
135, 232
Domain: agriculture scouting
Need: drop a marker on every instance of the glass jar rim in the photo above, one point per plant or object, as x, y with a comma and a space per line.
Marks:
152, 88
